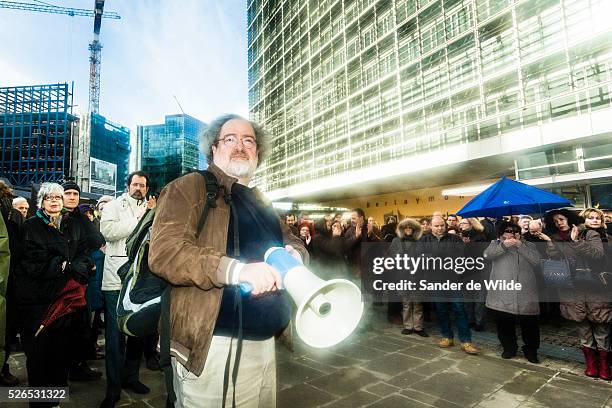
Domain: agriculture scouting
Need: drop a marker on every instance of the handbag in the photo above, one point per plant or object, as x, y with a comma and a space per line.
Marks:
585, 277
557, 273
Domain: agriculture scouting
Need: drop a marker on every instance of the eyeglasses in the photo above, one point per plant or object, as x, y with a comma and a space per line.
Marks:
54, 198
511, 231
247, 141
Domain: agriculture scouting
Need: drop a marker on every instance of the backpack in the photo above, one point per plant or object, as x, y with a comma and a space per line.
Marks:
144, 300
139, 306
140, 300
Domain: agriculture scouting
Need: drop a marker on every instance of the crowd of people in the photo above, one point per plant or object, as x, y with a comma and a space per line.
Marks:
513, 248
61, 249
64, 250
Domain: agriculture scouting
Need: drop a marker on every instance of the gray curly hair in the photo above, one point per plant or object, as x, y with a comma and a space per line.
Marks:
45, 190
210, 137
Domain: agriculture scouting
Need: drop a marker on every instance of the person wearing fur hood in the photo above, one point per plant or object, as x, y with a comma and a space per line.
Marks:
408, 233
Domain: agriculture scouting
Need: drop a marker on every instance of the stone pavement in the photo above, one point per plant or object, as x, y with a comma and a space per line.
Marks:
380, 368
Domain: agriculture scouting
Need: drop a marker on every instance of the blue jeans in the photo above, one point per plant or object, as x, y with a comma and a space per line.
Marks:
465, 336
121, 366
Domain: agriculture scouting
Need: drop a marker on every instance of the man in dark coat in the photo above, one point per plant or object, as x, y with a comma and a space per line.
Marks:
359, 232
80, 370
442, 244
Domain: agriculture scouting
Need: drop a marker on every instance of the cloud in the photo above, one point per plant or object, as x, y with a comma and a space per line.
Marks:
11, 75
194, 49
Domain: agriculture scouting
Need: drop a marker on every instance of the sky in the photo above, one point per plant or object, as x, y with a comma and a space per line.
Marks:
195, 50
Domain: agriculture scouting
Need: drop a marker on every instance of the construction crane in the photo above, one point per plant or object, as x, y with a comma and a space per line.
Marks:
95, 48
49, 8
95, 59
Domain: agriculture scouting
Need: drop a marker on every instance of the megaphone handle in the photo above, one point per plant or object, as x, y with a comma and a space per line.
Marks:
246, 288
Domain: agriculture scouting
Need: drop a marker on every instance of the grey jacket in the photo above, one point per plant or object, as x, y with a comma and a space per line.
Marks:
514, 263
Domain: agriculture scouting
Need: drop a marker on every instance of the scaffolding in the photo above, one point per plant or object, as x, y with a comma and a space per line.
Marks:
36, 132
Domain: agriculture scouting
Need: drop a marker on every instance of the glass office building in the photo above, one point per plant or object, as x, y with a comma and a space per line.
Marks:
168, 150
369, 90
101, 155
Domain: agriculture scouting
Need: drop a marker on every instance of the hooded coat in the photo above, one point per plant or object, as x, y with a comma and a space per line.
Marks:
406, 244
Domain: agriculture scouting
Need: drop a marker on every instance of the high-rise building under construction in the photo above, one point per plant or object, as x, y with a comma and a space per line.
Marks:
364, 92
41, 140
36, 131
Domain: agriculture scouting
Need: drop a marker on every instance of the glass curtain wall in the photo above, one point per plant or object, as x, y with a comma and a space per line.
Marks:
348, 84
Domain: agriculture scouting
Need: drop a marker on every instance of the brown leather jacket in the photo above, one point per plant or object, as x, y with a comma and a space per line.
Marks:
198, 269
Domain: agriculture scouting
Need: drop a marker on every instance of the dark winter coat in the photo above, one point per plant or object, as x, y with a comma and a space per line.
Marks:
475, 248
353, 246
407, 244
328, 260
449, 245
44, 249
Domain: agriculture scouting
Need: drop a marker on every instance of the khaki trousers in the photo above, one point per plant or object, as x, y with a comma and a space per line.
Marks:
594, 335
412, 315
255, 385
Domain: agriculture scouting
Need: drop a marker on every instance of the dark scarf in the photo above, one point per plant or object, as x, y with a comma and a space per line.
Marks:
565, 235
53, 222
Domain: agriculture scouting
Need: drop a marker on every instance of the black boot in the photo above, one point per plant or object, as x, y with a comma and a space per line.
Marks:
109, 401
531, 355
82, 372
136, 386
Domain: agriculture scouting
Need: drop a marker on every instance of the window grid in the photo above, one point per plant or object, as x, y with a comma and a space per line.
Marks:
331, 74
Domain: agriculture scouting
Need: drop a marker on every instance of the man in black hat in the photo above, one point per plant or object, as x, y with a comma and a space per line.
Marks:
79, 369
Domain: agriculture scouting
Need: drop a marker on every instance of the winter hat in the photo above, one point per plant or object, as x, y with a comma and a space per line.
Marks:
71, 185
83, 208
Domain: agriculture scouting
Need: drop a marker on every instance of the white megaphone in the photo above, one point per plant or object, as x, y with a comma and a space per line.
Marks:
328, 311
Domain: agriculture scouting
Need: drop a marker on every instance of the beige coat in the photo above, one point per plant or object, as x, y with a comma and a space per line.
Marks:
516, 264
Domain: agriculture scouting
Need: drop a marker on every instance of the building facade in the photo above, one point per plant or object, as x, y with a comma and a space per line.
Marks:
407, 94
101, 156
36, 133
168, 150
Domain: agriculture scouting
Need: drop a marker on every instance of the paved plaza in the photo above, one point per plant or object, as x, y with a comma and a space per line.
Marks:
380, 368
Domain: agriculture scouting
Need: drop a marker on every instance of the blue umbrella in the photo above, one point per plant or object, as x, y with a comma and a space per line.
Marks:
509, 197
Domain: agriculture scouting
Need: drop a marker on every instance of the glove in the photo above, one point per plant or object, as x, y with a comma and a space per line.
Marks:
81, 269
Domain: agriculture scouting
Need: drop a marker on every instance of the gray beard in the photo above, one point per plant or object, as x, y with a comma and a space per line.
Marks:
240, 169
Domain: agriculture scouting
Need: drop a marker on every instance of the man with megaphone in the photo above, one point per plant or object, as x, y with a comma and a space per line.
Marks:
222, 341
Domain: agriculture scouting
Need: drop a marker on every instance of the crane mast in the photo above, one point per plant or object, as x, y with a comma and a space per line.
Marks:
95, 47
95, 59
